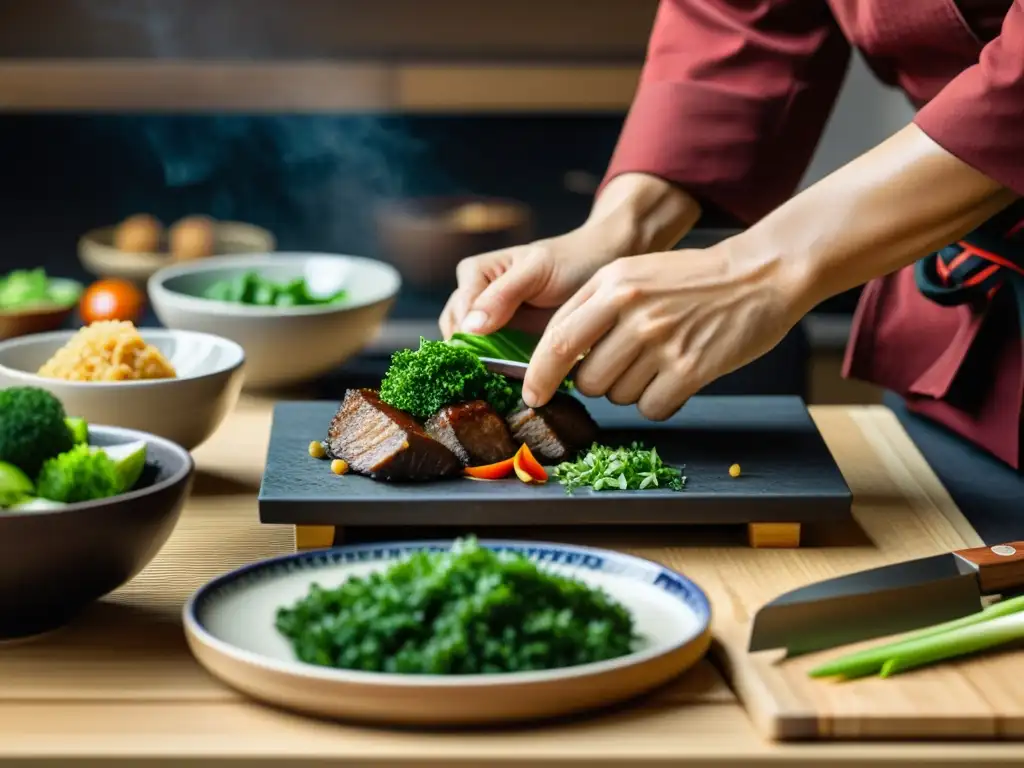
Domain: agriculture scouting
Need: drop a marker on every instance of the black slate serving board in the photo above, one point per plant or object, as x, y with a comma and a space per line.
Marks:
788, 475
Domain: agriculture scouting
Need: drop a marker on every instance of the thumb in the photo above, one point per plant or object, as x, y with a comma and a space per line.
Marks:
499, 301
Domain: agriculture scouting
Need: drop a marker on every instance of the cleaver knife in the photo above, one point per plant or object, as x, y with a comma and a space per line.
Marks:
887, 600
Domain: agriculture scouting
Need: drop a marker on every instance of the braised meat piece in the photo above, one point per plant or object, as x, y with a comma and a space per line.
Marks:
554, 432
473, 431
384, 442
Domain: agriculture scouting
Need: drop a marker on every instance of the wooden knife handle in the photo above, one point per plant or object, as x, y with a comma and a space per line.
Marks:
999, 568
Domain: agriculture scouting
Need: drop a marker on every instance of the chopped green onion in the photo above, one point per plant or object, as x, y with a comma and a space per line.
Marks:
951, 638
623, 469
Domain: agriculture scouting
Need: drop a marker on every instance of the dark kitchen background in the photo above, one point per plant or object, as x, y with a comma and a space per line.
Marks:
303, 116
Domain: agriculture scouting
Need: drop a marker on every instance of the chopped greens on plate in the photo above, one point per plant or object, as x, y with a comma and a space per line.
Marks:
33, 289
467, 611
629, 468
253, 289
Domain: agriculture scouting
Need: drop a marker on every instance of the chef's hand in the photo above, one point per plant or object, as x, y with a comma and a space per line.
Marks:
522, 286
660, 327
657, 328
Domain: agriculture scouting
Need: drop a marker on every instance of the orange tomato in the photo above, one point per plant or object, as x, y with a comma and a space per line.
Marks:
112, 299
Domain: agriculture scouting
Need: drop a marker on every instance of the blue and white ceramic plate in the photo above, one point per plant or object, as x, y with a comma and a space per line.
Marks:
230, 628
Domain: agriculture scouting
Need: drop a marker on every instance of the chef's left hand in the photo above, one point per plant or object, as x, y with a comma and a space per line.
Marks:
659, 327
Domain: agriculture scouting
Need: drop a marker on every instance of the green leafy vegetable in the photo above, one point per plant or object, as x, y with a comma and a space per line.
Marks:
80, 474
506, 344
253, 289
79, 430
32, 428
15, 485
952, 638
463, 612
630, 468
424, 380
28, 288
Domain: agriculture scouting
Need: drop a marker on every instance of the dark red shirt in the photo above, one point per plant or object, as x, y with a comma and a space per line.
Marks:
734, 97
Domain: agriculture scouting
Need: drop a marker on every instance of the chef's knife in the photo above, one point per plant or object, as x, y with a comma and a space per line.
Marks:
888, 600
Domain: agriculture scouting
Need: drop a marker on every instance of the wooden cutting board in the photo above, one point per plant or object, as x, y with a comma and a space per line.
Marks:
913, 517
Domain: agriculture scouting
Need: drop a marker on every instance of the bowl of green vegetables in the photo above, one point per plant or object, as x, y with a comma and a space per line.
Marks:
33, 302
83, 508
446, 633
296, 315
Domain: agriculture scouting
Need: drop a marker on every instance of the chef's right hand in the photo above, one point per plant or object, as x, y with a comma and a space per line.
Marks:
523, 286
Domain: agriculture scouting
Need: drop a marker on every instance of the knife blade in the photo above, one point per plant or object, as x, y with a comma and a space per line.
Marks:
887, 600
513, 369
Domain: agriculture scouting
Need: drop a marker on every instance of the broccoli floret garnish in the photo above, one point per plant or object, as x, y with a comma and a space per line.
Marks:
81, 474
32, 428
424, 380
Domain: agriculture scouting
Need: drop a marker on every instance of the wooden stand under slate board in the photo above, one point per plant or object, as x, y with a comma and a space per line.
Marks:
788, 478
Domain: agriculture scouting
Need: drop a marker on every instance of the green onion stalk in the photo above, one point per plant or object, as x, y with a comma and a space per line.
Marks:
998, 624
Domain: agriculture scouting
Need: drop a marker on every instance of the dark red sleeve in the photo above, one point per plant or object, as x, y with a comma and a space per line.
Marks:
979, 116
733, 99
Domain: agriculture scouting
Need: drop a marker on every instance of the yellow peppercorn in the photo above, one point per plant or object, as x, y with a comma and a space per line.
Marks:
317, 450
734, 470
339, 466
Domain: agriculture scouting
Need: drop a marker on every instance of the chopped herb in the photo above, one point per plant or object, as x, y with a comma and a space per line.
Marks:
467, 611
632, 468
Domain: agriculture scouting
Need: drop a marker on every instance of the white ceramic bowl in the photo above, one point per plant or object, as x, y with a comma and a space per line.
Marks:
185, 410
283, 345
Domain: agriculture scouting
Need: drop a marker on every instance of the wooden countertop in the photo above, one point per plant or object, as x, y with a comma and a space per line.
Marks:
120, 683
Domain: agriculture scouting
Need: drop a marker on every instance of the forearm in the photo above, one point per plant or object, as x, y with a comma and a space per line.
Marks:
881, 212
641, 213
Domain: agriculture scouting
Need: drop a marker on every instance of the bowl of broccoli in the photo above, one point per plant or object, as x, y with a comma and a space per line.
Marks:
33, 302
83, 509
296, 315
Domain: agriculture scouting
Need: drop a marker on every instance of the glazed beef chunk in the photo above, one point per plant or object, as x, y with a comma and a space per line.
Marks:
473, 431
554, 432
386, 443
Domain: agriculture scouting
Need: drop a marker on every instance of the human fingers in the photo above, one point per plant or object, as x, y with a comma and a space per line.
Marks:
474, 275
501, 297
446, 320
530, 319
576, 301
561, 346
608, 361
628, 388
668, 392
